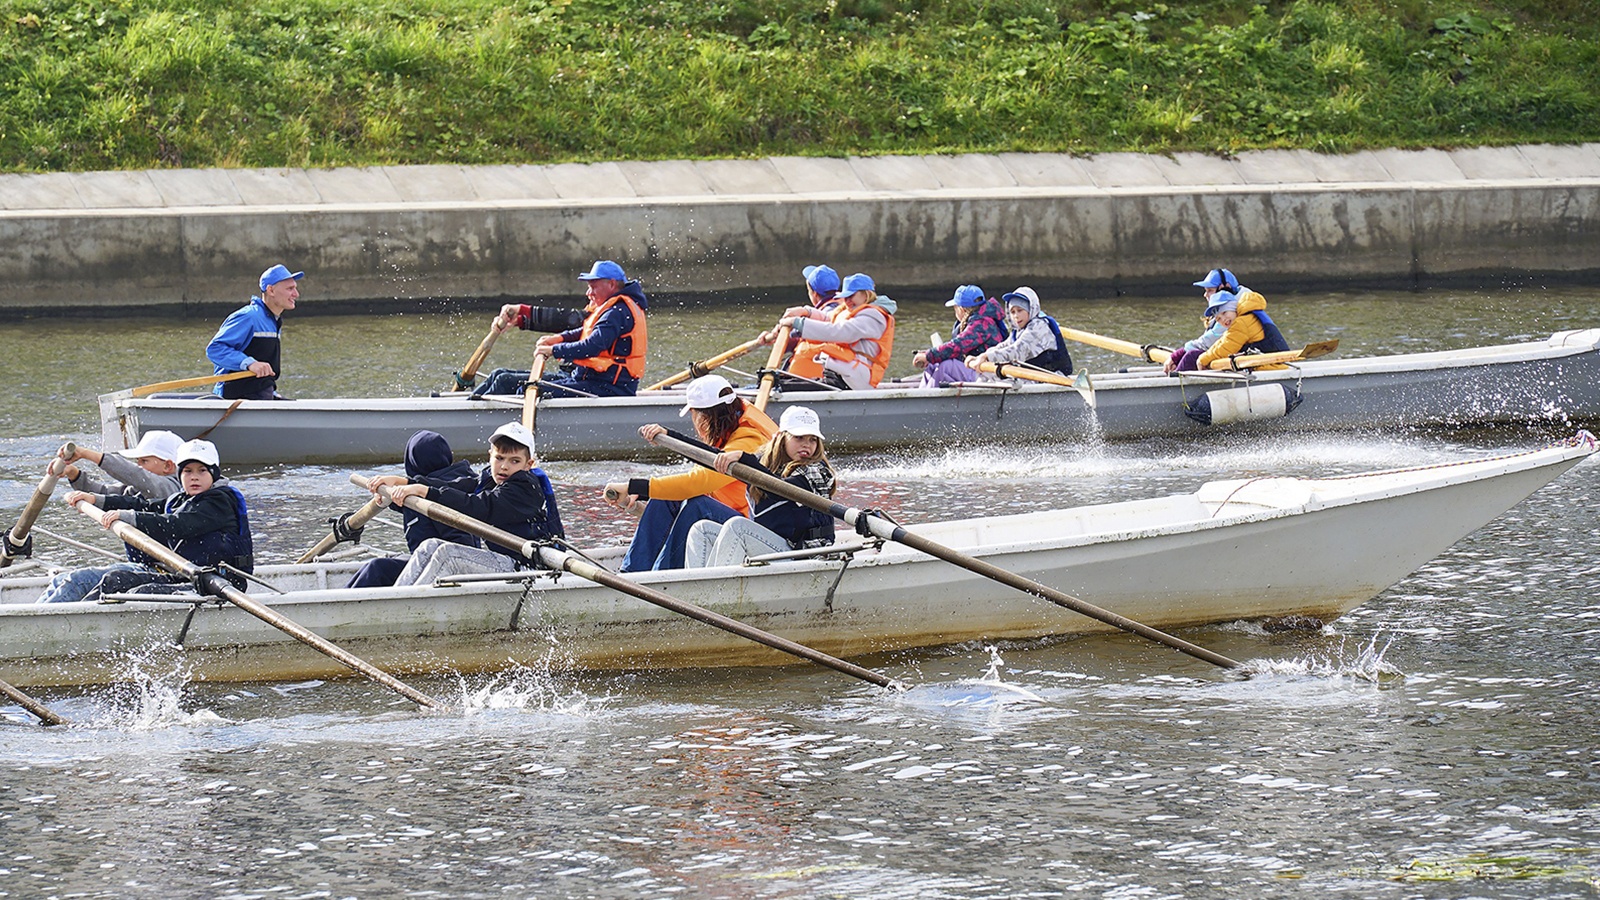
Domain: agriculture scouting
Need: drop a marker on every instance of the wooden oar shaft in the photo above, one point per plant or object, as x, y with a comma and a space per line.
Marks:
568, 562
41, 712
530, 394
1256, 360
53, 471
356, 520
891, 532
770, 379
470, 370
182, 383
218, 586
1148, 353
704, 366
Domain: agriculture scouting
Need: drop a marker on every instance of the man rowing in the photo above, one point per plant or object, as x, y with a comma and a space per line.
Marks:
251, 338
606, 352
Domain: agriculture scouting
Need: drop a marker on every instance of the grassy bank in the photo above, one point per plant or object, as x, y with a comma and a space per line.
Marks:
106, 84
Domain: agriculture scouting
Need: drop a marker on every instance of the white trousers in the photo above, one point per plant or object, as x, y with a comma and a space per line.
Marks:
435, 559
730, 543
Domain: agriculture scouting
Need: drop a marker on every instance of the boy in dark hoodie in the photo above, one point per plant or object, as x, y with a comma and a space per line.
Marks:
429, 461
206, 523
511, 494
605, 353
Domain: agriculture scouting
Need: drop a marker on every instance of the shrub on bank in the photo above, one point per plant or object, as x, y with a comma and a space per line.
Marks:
96, 84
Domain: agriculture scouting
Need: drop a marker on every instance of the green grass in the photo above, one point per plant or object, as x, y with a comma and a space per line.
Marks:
98, 84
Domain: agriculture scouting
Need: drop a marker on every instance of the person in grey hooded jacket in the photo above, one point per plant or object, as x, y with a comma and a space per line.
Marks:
1035, 338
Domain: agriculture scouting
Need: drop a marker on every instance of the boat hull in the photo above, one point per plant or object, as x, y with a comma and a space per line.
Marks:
1169, 562
1556, 380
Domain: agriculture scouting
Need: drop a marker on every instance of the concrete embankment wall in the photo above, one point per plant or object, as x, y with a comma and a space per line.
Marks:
1095, 225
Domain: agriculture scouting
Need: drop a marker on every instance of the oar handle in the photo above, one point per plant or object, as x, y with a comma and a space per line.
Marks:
182, 383
16, 540
560, 560
354, 522
770, 377
217, 586
470, 370
892, 532
530, 394
695, 370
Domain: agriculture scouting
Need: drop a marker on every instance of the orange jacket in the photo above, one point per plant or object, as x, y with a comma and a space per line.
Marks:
602, 362
1244, 331
755, 429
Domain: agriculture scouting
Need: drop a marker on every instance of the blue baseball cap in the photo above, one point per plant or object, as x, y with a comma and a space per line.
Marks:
276, 274
856, 282
1220, 301
966, 295
604, 268
821, 279
1218, 278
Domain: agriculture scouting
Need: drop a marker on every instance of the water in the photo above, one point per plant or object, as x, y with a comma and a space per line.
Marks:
1439, 741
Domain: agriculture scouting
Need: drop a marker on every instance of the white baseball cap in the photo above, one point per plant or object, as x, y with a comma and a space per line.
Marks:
707, 391
515, 431
800, 420
197, 451
160, 444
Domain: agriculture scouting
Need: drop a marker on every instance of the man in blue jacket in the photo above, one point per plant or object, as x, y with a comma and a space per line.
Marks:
250, 339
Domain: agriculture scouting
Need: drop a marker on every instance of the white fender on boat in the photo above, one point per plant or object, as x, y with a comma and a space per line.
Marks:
1253, 403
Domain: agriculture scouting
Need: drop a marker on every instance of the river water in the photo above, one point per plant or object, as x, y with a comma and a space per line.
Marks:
1440, 741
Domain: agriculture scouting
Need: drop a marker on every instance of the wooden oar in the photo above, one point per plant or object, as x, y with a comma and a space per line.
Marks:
1146, 352
39, 710
703, 367
1079, 382
768, 380
469, 372
530, 394
215, 585
563, 561
16, 543
1155, 354
343, 528
891, 532
182, 383
1241, 361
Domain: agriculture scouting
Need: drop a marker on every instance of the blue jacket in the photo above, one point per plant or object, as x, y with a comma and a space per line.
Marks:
209, 528
249, 334
429, 461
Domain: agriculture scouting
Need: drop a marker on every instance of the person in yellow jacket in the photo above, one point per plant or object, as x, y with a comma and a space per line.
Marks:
1252, 331
847, 346
675, 502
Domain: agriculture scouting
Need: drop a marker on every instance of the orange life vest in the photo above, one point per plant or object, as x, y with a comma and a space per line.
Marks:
806, 365
633, 363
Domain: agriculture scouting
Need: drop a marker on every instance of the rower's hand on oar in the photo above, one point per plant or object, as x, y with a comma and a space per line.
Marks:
73, 498
112, 516
725, 460
974, 362
508, 317
651, 432
919, 358
767, 337
546, 342
392, 482
260, 369
616, 495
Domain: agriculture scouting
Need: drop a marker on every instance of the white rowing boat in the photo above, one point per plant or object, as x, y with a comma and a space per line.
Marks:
1556, 380
1240, 549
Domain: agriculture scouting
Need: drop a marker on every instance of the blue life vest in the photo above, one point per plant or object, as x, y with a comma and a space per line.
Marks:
1271, 340
1056, 359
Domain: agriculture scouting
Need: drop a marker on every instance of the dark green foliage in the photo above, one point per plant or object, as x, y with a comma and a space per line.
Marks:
93, 84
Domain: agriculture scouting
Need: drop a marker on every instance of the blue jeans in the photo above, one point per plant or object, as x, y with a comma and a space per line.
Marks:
663, 532
74, 585
515, 381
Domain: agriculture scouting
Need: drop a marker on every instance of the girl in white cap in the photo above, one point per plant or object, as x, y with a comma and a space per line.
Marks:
794, 454
677, 502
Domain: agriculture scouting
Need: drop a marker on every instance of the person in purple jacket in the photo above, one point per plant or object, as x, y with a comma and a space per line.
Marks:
980, 324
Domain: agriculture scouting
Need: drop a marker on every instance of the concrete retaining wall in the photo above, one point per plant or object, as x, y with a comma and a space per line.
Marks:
1115, 222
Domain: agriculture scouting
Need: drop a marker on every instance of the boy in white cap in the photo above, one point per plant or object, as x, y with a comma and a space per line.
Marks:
794, 454
513, 494
205, 522
250, 338
149, 469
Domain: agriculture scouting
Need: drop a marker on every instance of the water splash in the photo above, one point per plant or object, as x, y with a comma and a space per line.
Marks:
1365, 663
530, 689
987, 690
149, 694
